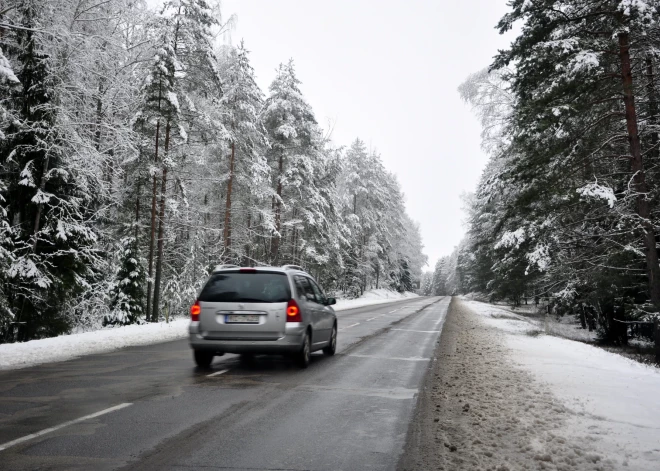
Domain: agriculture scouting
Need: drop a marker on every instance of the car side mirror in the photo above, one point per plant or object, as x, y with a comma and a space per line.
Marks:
331, 301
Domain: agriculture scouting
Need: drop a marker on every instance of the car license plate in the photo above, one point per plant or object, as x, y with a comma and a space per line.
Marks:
242, 319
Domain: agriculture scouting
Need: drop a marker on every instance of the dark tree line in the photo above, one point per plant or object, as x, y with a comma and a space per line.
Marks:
567, 208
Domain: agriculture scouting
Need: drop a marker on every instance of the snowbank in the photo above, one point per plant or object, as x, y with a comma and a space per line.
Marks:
66, 347
613, 400
375, 296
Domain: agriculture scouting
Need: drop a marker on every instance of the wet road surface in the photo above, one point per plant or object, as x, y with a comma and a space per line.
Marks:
150, 408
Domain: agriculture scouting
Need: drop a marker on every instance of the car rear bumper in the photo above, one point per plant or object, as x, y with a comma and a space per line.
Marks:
290, 342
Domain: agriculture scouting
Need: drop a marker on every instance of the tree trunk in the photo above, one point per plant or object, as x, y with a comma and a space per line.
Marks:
653, 108
161, 229
248, 243
153, 228
639, 178
275, 244
137, 210
583, 317
227, 228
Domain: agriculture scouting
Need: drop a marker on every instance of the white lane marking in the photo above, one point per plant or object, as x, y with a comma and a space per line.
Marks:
380, 357
217, 373
393, 311
348, 327
373, 318
423, 331
4, 446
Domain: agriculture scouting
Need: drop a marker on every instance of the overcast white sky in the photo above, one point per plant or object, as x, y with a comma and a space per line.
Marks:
387, 71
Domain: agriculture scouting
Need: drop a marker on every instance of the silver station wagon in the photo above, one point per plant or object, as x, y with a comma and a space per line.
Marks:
262, 310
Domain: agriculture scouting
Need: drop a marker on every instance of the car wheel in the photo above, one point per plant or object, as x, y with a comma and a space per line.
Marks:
203, 358
305, 352
332, 345
246, 359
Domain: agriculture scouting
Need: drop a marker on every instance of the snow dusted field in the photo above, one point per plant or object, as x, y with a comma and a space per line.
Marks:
66, 347
613, 402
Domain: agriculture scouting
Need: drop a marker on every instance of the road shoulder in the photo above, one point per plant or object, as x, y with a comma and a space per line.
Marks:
476, 410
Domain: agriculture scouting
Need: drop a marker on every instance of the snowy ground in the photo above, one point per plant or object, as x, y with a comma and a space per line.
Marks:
566, 326
375, 296
66, 347
612, 402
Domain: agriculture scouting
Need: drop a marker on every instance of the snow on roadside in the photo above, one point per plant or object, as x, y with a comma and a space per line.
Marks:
565, 327
66, 347
613, 400
370, 298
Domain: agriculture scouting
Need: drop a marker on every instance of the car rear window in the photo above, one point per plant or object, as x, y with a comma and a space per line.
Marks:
257, 287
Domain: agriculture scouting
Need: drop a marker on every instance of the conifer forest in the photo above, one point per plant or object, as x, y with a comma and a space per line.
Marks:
137, 152
567, 210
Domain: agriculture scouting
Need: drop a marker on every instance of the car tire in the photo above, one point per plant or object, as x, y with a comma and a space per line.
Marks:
332, 345
246, 359
203, 358
303, 356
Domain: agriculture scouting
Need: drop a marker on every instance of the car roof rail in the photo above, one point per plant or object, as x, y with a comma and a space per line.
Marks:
224, 267
293, 267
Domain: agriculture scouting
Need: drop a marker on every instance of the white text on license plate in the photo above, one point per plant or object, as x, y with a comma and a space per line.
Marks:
242, 319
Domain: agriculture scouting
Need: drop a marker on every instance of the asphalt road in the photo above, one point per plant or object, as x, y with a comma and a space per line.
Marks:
149, 408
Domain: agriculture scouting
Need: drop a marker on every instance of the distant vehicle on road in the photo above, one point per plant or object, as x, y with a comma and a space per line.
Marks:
262, 310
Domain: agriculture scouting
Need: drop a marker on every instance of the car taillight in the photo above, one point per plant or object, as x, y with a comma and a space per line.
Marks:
195, 309
293, 312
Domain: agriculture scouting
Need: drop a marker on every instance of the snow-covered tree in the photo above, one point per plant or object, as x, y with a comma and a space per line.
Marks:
136, 154
51, 196
566, 207
127, 295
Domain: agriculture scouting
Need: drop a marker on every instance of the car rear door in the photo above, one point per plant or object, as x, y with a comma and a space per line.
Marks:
244, 305
326, 313
310, 305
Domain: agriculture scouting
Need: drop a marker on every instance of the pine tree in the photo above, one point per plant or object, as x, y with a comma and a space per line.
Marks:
160, 108
294, 138
242, 102
50, 197
127, 298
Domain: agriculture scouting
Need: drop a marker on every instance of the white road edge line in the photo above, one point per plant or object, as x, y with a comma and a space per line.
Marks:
348, 327
4, 446
217, 373
422, 331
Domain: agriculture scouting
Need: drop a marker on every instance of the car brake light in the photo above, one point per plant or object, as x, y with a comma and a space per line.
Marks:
195, 309
293, 312
248, 270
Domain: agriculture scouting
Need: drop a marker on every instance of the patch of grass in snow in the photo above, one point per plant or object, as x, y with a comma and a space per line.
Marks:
642, 352
568, 329
497, 315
